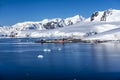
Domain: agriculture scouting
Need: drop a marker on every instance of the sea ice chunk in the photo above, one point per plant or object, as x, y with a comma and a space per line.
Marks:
47, 50
40, 56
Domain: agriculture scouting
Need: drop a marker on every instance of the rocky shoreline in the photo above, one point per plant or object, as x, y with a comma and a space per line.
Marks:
72, 41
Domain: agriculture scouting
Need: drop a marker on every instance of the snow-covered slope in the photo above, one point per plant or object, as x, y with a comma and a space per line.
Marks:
79, 30
113, 34
73, 20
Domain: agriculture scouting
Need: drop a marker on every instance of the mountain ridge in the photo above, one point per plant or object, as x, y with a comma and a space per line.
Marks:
77, 26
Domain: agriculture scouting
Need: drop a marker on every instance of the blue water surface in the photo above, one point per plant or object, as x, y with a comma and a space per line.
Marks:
69, 61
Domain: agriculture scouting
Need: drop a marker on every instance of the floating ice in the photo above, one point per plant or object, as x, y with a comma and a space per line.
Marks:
59, 49
40, 56
47, 50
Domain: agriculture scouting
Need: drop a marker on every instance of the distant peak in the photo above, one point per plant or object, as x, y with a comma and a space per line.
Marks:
45, 21
77, 16
106, 15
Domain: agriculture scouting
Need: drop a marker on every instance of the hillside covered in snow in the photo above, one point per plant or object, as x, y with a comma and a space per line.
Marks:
101, 25
46, 24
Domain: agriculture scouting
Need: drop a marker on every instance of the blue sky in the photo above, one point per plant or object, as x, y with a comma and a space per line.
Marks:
13, 11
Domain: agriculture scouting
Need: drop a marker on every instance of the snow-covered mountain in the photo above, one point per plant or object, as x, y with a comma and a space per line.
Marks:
113, 34
80, 30
103, 25
45, 24
111, 20
107, 15
48, 23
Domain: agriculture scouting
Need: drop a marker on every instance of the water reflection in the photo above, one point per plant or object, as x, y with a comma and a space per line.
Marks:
72, 60
106, 57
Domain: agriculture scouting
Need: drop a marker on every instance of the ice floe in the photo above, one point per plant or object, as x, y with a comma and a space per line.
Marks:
40, 56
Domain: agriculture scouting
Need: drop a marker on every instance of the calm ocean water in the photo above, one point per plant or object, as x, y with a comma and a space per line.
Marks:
69, 61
